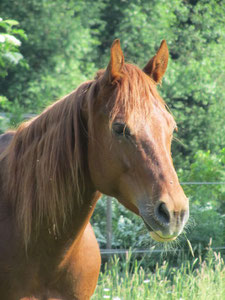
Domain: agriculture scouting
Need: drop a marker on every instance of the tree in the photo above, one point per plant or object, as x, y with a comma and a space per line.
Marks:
10, 57
59, 50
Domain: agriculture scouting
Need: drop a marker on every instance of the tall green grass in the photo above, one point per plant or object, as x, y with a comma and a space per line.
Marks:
200, 280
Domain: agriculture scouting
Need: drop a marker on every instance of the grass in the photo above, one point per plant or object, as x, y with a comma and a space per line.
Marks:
197, 280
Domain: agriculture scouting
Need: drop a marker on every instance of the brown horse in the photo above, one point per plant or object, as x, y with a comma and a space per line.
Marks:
111, 135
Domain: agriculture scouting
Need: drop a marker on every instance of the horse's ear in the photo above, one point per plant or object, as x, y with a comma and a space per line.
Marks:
156, 67
116, 63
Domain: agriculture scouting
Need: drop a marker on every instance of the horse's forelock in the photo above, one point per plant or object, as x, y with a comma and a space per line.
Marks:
134, 95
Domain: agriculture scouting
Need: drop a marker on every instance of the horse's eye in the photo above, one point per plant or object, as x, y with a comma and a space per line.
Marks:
121, 129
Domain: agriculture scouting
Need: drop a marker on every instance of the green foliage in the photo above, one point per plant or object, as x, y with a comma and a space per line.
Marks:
190, 280
206, 167
207, 201
59, 50
10, 57
9, 45
4, 124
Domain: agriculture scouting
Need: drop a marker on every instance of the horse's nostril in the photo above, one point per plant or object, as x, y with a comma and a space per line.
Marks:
162, 213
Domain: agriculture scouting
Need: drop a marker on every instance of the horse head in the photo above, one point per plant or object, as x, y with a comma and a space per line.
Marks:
132, 128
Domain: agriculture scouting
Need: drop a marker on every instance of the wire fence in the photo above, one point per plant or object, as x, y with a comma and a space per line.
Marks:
109, 252
202, 183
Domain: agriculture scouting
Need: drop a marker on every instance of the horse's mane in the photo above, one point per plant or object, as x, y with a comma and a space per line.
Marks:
45, 163
46, 159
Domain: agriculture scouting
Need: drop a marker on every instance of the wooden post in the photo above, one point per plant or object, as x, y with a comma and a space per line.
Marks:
109, 223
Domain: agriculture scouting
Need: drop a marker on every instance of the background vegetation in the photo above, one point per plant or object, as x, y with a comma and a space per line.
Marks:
195, 280
49, 47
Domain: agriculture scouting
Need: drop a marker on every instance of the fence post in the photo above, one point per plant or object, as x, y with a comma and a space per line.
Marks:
109, 223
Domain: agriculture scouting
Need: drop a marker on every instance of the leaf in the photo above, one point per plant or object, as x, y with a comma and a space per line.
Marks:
190, 247
11, 22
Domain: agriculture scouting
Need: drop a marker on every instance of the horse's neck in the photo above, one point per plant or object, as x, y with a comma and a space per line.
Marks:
58, 246
82, 216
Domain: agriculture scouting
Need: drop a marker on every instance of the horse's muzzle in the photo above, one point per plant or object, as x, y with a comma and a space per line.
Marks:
164, 224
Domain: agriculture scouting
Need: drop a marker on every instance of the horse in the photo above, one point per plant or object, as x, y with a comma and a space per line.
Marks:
112, 135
